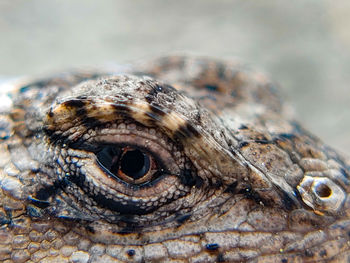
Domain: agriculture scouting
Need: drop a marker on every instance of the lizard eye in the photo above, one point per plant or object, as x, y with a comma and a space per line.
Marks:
120, 159
128, 164
133, 172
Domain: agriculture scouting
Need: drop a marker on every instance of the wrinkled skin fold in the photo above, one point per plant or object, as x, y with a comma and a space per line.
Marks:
176, 159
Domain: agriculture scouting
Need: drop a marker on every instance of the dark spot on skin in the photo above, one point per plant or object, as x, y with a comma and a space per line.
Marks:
288, 136
56, 138
243, 144
220, 258
193, 130
131, 252
284, 260
6, 219
151, 95
243, 127
212, 247
216, 184
309, 253
50, 114
183, 218
46, 192
323, 253
344, 173
5, 129
198, 117
156, 109
262, 141
288, 202
294, 157
78, 179
211, 87
24, 88
199, 182
125, 94
90, 229
122, 109
251, 194
158, 87
78, 105
188, 179
232, 188
142, 236
91, 122
186, 131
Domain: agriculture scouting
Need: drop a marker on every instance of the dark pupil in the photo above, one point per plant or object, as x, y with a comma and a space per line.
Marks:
135, 164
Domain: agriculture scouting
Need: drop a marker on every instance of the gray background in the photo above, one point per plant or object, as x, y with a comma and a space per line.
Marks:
303, 45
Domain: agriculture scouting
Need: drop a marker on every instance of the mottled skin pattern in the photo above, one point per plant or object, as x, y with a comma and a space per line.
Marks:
237, 179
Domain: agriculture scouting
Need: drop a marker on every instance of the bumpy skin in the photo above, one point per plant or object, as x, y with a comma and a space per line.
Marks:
239, 180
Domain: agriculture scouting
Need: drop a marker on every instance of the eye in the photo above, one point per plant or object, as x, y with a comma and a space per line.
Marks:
116, 162
129, 164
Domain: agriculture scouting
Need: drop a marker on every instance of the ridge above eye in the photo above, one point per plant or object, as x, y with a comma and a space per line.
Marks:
129, 164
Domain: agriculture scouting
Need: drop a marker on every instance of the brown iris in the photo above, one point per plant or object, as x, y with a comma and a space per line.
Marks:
127, 163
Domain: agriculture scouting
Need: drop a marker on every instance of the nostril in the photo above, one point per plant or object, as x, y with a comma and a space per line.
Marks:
321, 194
323, 191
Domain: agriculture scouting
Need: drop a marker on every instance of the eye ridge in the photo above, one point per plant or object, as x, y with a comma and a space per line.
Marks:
130, 164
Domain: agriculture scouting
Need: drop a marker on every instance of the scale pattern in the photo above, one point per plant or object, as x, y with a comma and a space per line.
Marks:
238, 179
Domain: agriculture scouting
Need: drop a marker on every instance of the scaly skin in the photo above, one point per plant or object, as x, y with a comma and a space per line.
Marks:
233, 177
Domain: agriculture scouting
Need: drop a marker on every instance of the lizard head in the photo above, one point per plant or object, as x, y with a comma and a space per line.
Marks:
130, 167
134, 152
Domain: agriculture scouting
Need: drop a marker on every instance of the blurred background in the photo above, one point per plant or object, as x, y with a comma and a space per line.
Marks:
302, 45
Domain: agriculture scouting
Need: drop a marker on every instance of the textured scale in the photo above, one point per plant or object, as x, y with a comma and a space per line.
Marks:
234, 178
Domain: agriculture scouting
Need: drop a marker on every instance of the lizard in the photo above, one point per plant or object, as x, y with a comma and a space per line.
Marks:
175, 159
